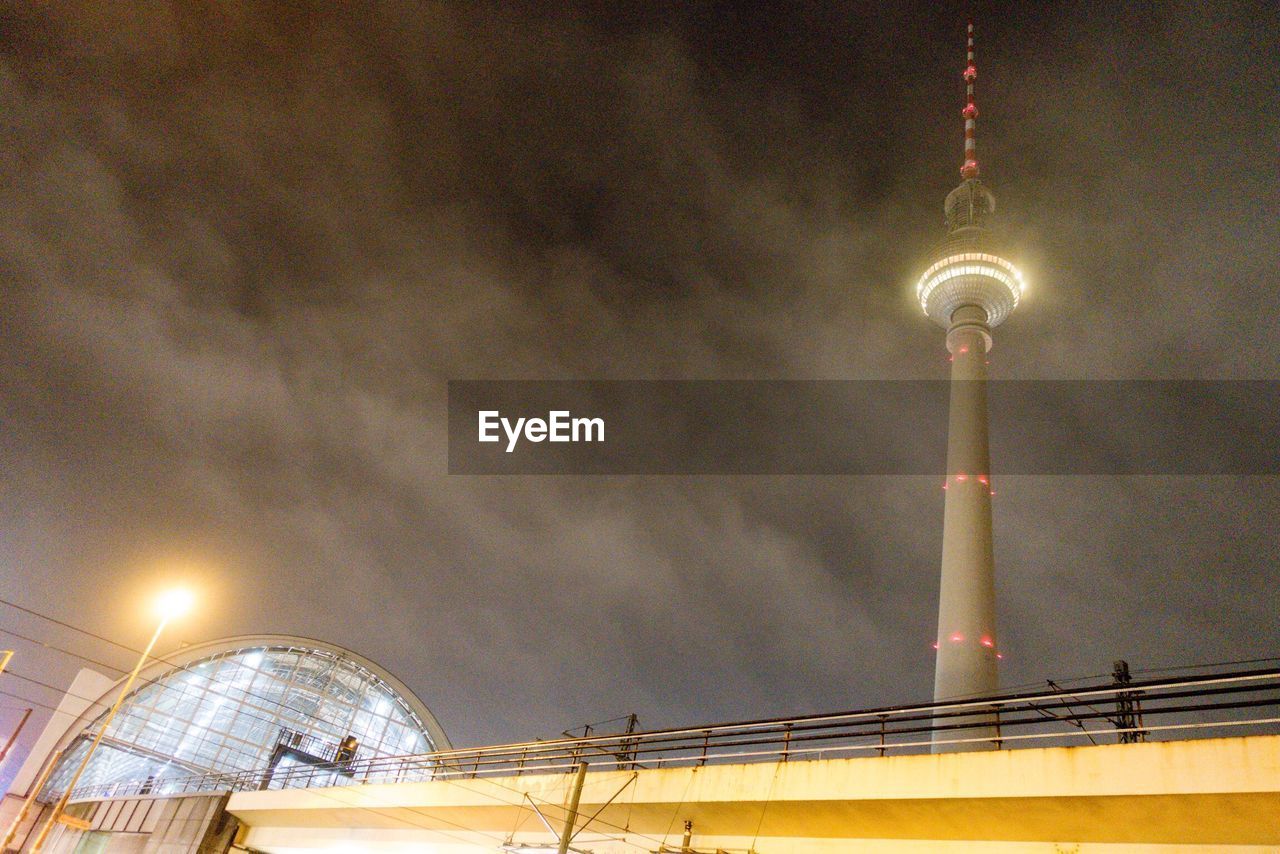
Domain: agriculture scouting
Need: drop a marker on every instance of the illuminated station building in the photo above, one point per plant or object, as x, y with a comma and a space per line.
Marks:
261, 705
968, 290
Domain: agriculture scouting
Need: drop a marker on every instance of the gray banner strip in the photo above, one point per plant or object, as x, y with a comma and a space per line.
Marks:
1187, 427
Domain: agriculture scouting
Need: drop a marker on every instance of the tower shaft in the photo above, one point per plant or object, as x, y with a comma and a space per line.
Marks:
966, 660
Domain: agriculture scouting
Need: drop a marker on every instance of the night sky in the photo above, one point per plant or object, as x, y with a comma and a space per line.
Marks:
244, 246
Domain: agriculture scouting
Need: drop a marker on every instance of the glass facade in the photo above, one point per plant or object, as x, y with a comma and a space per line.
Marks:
226, 713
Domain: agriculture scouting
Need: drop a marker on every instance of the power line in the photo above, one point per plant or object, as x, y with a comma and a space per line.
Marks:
25, 610
92, 661
1201, 666
1151, 670
28, 700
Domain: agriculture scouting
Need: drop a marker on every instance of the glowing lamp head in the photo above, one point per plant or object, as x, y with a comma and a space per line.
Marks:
174, 603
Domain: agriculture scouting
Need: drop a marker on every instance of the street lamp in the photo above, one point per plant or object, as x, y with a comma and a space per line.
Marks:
169, 605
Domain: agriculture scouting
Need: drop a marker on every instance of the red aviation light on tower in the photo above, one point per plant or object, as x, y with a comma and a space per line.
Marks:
970, 168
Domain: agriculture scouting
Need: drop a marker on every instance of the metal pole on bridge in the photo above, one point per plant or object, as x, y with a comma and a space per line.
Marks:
566, 834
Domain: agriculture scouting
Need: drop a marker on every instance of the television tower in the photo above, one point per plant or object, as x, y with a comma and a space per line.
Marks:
968, 289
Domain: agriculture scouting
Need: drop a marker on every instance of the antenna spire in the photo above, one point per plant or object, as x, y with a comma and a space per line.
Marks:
969, 169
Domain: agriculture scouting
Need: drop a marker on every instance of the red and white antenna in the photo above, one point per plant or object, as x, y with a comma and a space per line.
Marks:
970, 113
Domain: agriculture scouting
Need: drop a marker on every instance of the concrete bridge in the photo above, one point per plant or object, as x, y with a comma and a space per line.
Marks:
857, 781
1207, 795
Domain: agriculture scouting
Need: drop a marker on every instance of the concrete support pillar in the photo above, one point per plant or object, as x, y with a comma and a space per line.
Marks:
966, 662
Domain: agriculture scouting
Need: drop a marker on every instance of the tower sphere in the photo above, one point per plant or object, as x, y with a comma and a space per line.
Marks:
966, 268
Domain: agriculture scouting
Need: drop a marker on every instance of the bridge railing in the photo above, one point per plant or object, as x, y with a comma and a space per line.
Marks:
1186, 707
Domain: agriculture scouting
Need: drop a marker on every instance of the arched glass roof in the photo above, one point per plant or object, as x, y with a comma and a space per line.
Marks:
227, 711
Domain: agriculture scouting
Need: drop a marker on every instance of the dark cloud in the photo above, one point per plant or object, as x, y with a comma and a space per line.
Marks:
246, 245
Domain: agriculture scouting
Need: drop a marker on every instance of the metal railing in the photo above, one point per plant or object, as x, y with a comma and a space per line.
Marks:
1205, 705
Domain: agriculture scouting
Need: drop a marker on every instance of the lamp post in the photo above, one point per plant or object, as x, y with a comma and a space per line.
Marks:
170, 605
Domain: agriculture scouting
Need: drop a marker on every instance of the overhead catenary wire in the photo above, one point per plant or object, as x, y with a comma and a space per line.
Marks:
67, 625
30, 701
1144, 670
26, 699
1174, 668
95, 662
26, 708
